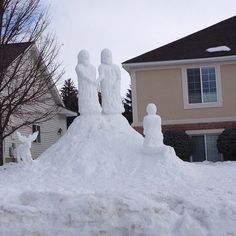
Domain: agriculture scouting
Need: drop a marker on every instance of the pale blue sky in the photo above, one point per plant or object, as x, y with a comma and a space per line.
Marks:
128, 27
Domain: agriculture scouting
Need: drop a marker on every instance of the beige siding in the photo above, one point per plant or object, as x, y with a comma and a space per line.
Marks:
229, 89
164, 87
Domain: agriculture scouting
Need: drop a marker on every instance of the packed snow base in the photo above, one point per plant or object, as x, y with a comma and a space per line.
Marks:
96, 180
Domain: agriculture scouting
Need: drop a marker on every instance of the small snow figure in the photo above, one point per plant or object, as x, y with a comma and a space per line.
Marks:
109, 77
152, 130
87, 85
23, 150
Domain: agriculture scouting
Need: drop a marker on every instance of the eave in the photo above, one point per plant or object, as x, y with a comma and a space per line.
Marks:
145, 65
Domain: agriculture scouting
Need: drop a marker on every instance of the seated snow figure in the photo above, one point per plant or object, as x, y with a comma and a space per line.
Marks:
23, 153
152, 130
87, 85
109, 77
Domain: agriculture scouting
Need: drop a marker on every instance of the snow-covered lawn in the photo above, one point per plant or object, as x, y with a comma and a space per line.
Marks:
97, 181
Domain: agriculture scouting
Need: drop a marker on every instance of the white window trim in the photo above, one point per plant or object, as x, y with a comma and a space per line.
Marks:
188, 105
204, 132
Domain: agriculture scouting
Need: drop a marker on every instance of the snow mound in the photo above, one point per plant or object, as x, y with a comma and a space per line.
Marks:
107, 149
97, 181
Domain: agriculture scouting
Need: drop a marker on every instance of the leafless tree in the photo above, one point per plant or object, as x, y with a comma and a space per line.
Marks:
26, 81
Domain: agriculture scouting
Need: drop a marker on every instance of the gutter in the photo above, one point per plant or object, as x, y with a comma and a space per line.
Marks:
130, 66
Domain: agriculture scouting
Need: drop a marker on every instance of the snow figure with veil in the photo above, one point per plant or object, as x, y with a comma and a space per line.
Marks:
87, 85
110, 79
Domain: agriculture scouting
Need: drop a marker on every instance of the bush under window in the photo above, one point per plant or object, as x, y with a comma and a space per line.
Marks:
181, 142
226, 144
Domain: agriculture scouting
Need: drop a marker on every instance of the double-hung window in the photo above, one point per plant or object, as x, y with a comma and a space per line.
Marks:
201, 87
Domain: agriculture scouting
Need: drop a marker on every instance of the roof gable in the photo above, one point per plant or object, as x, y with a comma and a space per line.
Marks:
9, 52
195, 46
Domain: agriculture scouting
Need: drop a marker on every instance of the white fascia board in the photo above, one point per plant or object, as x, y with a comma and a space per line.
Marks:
66, 112
130, 66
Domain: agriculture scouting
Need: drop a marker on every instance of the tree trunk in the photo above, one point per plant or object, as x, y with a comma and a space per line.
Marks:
1, 16
1, 139
1, 150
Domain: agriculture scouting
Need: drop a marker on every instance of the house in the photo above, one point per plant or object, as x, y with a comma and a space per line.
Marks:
49, 131
193, 82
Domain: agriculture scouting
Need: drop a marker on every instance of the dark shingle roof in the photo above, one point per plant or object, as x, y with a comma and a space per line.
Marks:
9, 52
195, 45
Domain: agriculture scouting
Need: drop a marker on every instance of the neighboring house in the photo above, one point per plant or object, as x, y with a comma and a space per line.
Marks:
49, 131
193, 82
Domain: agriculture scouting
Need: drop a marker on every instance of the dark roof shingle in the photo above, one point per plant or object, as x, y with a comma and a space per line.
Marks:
194, 46
9, 52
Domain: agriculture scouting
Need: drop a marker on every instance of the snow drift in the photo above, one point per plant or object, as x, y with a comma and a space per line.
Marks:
96, 180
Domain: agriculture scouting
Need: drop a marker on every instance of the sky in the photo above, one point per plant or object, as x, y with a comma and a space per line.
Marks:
127, 27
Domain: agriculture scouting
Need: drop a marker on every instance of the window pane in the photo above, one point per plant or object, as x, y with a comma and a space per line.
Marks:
212, 151
37, 128
194, 85
209, 84
34, 128
39, 135
198, 148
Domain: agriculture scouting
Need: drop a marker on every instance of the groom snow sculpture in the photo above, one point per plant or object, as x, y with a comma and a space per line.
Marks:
87, 85
109, 77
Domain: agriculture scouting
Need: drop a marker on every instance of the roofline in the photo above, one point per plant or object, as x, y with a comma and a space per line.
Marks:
53, 88
130, 66
67, 112
25, 51
180, 39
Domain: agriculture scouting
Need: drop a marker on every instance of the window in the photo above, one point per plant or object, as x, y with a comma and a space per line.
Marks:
205, 148
37, 128
201, 85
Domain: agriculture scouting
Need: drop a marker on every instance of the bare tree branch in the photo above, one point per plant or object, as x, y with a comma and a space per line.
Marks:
28, 66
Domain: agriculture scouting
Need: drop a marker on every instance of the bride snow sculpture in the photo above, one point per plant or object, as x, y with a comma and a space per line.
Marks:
152, 130
109, 77
87, 85
23, 150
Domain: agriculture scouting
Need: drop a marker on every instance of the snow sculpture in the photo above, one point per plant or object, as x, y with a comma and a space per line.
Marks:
152, 130
87, 85
109, 77
23, 150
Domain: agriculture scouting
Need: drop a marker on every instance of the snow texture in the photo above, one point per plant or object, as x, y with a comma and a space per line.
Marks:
97, 181
110, 79
87, 85
23, 150
219, 49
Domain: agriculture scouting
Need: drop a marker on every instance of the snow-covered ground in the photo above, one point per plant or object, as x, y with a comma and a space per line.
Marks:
96, 180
